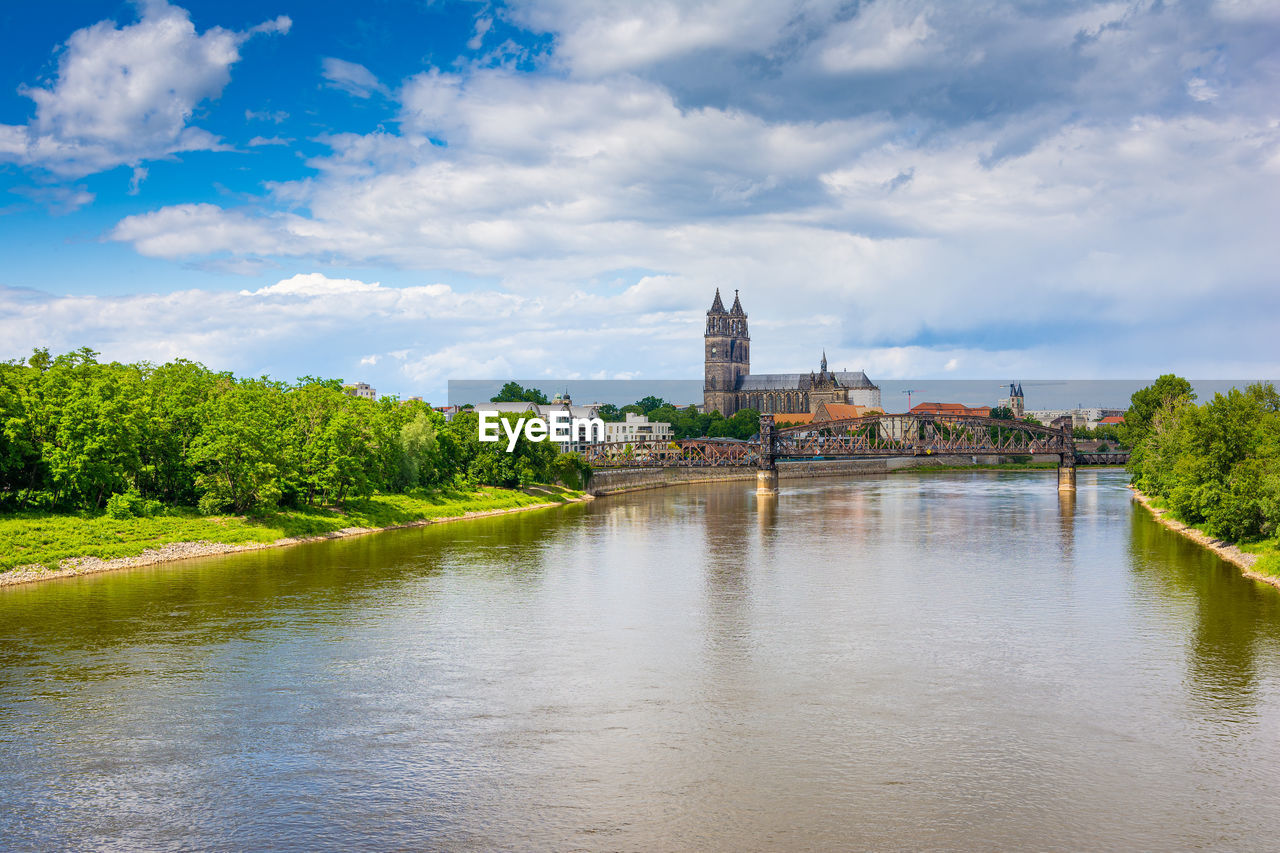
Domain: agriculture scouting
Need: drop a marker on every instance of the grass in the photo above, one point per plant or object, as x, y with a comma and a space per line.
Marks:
1268, 552
46, 539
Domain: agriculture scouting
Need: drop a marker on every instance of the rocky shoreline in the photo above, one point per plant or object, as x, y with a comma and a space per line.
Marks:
78, 566
1226, 550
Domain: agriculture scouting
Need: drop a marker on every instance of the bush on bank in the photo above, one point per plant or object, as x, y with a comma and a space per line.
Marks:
1217, 465
78, 434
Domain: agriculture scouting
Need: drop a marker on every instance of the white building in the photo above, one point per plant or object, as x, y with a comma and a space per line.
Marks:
637, 428
1088, 417
362, 390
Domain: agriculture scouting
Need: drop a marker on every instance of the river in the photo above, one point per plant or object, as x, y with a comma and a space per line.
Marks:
944, 661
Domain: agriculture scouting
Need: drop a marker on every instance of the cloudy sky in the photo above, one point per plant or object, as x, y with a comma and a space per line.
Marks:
404, 193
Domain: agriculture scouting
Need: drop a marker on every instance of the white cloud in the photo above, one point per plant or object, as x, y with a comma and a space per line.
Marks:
197, 229
483, 23
273, 116
58, 200
259, 141
551, 185
879, 38
595, 39
135, 180
126, 94
1004, 176
314, 284
1199, 89
351, 77
411, 340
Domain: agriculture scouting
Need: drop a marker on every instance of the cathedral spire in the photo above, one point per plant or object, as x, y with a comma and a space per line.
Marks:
717, 307
737, 306
824, 360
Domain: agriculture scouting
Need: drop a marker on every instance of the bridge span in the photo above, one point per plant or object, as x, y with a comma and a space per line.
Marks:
876, 436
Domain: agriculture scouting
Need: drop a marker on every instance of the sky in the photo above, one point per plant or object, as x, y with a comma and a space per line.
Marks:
403, 193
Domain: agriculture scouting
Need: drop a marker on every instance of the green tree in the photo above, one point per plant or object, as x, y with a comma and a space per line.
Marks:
96, 417
1002, 413
512, 392
648, 404
1143, 406
175, 396
742, 425
571, 470
239, 454
420, 451
1217, 465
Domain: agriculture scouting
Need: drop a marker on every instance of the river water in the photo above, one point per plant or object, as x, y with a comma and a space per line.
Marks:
945, 661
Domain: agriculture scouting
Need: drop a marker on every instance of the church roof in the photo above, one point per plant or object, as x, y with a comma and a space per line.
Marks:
799, 381
736, 310
717, 307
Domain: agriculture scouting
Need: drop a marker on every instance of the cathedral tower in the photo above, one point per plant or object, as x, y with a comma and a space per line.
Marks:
726, 355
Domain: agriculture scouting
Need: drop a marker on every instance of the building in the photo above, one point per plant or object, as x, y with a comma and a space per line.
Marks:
1090, 417
842, 411
951, 409
362, 390
637, 428
1015, 401
729, 386
1112, 420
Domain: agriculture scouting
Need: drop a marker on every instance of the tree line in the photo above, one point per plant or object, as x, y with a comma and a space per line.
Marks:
74, 432
1216, 465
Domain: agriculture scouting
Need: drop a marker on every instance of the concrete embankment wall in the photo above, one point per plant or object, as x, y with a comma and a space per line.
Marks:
612, 482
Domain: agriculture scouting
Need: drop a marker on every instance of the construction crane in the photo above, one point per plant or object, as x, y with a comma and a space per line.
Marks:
909, 392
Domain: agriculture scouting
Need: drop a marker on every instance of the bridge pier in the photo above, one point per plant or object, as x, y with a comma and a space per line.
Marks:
767, 472
1066, 478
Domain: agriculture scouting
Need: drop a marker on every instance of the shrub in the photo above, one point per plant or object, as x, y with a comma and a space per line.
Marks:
126, 505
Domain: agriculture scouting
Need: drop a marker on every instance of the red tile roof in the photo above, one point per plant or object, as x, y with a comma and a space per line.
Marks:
951, 409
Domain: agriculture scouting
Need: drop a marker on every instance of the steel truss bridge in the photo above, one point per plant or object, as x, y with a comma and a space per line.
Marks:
878, 436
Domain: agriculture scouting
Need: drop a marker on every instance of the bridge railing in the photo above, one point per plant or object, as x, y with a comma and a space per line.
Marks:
681, 453
920, 434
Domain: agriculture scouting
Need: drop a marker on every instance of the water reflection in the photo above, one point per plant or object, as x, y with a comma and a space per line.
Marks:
1066, 524
1235, 623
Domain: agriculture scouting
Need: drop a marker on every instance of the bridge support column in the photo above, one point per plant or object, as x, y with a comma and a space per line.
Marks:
1066, 478
767, 473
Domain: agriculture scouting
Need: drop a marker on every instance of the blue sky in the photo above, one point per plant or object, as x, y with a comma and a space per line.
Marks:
403, 193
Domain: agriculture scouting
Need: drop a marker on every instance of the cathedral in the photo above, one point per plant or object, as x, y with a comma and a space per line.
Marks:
729, 386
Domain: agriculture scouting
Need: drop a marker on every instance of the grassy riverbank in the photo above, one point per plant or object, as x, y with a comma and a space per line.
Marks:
46, 539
